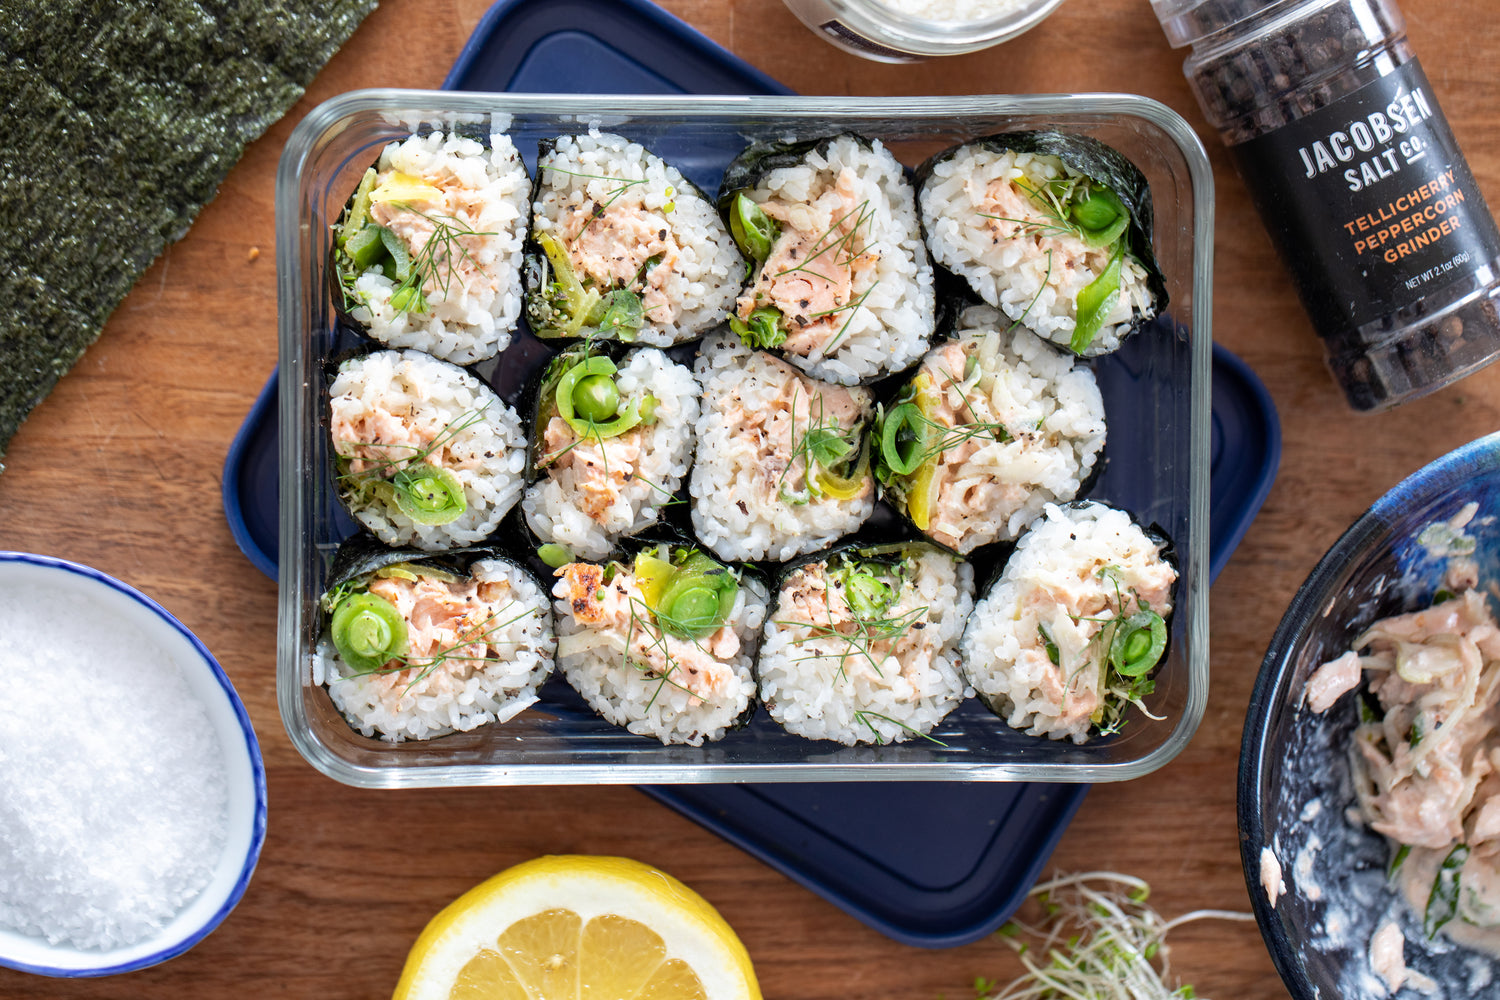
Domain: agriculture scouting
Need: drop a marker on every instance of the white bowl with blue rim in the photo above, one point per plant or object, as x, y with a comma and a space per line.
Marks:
245, 777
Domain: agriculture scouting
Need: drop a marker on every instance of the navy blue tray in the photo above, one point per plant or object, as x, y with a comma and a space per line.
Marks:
971, 851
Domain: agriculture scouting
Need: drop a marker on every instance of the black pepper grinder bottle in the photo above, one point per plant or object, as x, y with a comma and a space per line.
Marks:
1357, 176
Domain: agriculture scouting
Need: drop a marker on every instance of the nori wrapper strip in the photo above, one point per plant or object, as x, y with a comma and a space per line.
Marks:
124, 119
1098, 162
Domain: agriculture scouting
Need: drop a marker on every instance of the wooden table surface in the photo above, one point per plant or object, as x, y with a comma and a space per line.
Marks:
120, 469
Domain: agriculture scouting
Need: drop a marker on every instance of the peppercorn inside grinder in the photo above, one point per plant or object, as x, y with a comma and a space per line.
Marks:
1359, 180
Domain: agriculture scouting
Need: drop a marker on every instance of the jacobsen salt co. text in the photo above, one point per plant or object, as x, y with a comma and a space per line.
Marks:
1370, 135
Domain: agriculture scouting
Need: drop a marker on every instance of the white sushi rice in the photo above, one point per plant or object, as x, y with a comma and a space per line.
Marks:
595, 662
1068, 575
645, 473
701, 271
990, 490
414, 403
1016, 274
889, 327
456, 695
471, 314
746, 453
855, 689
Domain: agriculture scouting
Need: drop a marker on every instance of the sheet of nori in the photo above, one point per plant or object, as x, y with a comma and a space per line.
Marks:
123, 117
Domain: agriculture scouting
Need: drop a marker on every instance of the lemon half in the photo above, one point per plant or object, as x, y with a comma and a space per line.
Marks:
573, 927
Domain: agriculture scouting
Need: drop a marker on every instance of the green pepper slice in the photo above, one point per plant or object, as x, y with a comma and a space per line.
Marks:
1138, 644
868, 595
368, 631
429, 495
580, 302
1096, 301
753, 230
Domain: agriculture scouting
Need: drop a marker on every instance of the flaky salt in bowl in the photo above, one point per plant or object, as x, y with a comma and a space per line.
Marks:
132, 793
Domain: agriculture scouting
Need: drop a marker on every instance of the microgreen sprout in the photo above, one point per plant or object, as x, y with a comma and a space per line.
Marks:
1096, 940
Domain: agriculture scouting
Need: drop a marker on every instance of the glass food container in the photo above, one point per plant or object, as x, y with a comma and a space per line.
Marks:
1359, 180
881, 32
1155, 390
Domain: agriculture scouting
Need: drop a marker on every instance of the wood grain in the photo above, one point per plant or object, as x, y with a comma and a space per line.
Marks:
120, 469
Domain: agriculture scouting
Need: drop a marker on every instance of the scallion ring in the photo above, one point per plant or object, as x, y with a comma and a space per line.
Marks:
753, 230
429, 495
1138, 644
903, 439
368, 631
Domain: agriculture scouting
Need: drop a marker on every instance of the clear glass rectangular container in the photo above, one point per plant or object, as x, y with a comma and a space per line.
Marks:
1156, 393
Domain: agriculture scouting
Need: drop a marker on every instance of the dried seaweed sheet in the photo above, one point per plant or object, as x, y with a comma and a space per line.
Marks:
123, 118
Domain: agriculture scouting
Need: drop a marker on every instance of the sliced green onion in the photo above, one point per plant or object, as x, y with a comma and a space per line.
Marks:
617, 422
698, 598
429, 495
1096, 301
359, 209
754, 231
1101, 217
1049, 644
596, 398
1442, 904
556, 556
868, 595
1138, 644
368, 631
903, 439
762, 330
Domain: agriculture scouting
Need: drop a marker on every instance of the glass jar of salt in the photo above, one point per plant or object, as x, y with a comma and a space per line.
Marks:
1357, 176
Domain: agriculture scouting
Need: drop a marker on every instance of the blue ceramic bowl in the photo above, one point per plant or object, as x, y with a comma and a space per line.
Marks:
98, 594
1294, 786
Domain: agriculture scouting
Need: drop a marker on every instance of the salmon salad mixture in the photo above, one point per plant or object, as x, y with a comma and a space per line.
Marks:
414, 651
662, 645
1425, 757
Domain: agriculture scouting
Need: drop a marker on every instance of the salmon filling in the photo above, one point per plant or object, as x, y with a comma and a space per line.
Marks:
820, 267
451, 633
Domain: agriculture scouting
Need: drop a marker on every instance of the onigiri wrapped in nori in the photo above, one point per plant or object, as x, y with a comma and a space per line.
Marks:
1051, 228
612, 440
840, 283
662, 643
428, 251
994, 424
623, 247
417, 646
862, 645
1069, 635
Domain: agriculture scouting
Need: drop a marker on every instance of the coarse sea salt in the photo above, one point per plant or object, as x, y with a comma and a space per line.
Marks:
113, 793
956, 10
